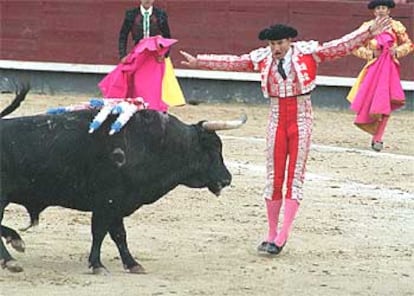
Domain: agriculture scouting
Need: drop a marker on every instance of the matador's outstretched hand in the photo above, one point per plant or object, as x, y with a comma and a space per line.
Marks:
191, 61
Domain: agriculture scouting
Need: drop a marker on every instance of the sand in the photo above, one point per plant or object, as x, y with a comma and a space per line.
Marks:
354, 233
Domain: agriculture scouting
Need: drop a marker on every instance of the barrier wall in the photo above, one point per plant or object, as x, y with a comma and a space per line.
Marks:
87, 31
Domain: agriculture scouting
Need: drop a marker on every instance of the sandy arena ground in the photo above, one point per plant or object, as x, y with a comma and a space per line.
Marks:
354, 234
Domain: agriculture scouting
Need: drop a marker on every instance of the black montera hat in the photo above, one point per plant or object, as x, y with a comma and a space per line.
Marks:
278, 32
374, 3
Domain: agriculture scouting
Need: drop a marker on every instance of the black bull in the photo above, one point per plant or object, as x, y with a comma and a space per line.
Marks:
51, 160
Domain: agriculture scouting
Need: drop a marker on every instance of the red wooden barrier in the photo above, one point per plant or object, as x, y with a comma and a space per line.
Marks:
87, 31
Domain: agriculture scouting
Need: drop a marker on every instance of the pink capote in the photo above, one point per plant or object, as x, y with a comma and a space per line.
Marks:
141, 75
380, 91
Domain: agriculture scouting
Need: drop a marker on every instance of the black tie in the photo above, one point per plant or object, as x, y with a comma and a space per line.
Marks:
281, 70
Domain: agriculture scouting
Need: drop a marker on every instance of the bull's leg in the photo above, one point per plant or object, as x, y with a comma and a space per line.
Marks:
6, 260
99, 231
34, 212
118, 235
13, 238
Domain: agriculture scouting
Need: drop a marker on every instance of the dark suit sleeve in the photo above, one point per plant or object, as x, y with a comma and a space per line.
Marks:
164, 27
124, 32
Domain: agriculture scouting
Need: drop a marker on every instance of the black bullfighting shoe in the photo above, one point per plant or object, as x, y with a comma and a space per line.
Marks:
262, 248
273, 249
377, 146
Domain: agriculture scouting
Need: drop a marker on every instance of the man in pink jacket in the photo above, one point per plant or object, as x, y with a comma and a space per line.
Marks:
288, 72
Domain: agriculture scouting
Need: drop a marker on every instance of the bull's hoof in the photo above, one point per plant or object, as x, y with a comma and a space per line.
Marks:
12, 266
100, 271
17, 244
137, 269
23, 229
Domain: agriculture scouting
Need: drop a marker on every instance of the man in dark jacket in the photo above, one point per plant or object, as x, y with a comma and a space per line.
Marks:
144, 21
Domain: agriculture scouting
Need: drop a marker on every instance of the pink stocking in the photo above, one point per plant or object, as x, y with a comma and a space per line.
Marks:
273, 210
291, 207
381, 129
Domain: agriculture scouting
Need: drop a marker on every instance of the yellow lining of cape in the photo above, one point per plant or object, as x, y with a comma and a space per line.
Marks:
172, 94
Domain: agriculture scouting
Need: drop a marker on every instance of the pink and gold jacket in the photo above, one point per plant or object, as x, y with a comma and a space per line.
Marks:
306, 55
402, 46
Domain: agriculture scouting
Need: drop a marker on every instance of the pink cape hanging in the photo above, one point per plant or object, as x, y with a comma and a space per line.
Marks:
141, 75
380, 91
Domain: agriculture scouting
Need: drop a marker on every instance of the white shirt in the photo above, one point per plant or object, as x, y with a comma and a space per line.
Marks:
146, 25
287, 61
143, 10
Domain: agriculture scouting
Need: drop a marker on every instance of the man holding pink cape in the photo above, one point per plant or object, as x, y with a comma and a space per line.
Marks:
378, 89
141, 74
146, 71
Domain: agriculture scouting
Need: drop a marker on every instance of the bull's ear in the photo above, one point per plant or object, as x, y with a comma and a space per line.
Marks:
206, 137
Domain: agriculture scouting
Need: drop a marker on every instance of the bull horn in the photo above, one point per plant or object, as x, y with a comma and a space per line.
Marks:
224, 125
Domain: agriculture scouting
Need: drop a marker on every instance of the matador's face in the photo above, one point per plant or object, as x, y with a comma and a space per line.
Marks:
381, 11
280, 47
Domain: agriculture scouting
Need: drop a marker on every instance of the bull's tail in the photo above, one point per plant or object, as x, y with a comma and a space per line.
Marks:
21, 92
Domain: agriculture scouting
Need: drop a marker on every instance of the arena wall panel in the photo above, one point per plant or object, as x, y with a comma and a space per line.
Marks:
87, 31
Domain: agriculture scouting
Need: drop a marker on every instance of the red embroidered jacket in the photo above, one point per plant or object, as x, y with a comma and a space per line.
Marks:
306, 55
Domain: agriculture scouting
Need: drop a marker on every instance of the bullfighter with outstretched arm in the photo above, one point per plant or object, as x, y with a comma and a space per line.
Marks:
288, 71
